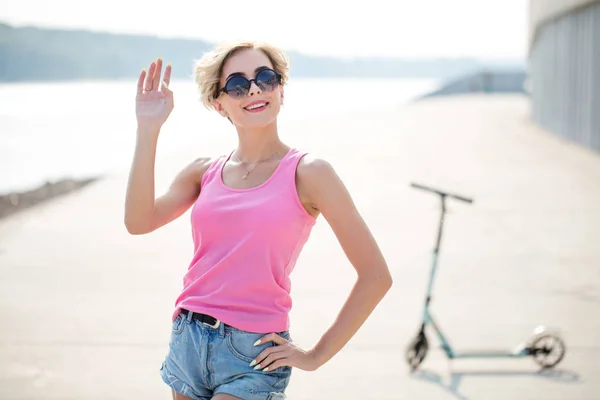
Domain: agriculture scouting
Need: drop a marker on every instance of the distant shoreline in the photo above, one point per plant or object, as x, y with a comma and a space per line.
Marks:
180, 78
44, 54
14, 202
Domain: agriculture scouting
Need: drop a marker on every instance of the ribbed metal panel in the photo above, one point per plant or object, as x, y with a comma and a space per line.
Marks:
564, 67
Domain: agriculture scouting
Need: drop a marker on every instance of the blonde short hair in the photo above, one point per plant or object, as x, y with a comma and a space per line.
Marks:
208, 70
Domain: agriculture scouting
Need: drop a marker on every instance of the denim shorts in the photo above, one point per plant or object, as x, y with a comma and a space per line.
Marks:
203, 361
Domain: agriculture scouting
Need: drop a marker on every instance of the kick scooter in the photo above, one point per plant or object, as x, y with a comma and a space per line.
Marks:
547, 348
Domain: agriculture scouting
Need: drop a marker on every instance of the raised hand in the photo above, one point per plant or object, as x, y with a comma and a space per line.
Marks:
154, 100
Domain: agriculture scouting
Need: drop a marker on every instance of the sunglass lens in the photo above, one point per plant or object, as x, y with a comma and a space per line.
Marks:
267, 80
237, 87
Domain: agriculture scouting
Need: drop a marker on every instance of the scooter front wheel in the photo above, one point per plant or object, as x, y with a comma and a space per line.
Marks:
548, 350
416, 351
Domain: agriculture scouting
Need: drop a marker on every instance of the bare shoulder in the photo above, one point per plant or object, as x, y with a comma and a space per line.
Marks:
201, 164
181, 194
194, 171
312, 168
319, 185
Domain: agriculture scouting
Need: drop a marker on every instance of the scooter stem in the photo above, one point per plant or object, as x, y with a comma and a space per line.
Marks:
436, 250
441, 224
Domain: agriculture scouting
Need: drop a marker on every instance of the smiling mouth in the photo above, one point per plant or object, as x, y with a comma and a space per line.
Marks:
257, 107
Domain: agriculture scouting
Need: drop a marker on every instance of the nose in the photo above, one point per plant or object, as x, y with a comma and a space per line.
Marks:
254, 89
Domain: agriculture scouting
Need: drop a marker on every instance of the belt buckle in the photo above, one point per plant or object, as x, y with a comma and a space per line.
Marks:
215, 326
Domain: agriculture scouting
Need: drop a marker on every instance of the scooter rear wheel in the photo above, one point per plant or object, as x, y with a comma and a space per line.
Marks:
416, 351
548, 350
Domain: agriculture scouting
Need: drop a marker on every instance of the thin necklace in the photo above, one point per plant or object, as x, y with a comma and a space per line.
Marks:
254, 164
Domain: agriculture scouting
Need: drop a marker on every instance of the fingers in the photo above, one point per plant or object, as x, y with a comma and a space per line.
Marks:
148, 83
271, 337
157, 74
151, 80
140, 84
167, 77
267, 357
282, 362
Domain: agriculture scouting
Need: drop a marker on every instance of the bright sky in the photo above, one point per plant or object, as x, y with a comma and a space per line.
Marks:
417, 28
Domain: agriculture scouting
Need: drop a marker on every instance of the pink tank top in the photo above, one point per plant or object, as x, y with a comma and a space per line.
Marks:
246, 243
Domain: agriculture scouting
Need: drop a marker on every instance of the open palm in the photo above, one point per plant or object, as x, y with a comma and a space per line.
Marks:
154, 100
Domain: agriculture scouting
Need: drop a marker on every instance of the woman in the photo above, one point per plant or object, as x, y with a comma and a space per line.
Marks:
252, 212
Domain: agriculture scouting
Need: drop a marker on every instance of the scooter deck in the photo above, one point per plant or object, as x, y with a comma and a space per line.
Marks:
485, 353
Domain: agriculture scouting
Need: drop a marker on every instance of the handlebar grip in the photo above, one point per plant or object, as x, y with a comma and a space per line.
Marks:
465, 199
416, 185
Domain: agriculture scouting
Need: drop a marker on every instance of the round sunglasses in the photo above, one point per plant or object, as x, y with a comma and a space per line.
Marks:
238, 86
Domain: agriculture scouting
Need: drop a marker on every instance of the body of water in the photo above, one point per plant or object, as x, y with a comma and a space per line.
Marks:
50, 131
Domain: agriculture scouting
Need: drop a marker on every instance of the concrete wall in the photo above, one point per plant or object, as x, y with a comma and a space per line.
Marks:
541, 11
564, 70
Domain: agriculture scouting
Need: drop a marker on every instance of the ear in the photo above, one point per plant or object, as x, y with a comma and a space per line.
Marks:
281, 95
219, 108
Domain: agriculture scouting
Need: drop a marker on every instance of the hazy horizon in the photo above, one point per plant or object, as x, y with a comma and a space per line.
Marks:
422, 29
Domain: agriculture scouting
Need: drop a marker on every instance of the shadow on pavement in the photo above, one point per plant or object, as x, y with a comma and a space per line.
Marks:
455, 377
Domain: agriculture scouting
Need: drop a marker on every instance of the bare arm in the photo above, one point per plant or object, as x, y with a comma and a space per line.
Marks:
143, 212
322, 191
330, 197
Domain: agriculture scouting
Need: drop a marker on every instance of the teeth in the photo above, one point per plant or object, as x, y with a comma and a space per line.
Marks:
258, 105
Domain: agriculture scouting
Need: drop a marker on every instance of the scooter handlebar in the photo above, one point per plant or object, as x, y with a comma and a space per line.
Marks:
441, 192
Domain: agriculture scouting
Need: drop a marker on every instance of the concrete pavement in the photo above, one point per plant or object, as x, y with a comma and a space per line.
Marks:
85, 307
